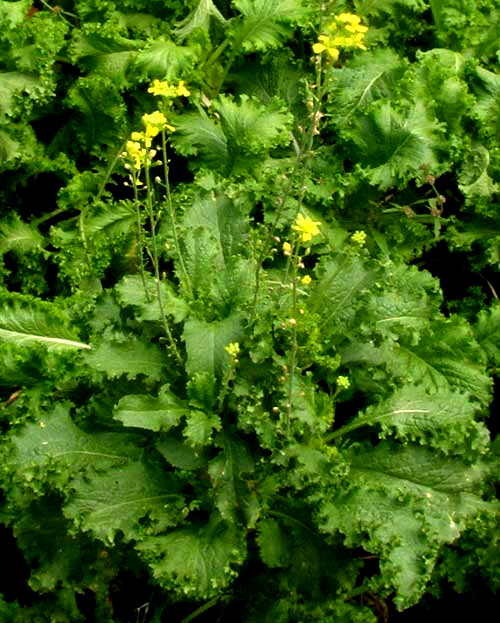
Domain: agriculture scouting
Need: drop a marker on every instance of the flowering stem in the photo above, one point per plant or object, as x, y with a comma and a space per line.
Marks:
140, 241
156, 264
171, 213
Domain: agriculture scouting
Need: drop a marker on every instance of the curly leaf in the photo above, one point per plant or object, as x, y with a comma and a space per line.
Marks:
20, 237
197, 562
56, 441
267, 23
133, 499
131, 358
42, 324
444, 420
199, 18
274, 545
230, 472
152, 413
403, 503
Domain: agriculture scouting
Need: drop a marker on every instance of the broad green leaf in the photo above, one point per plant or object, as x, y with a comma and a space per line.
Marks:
403, 503
19, 237
42, 323
488, 333
443, 420
14, 83
267, 22
200, 17
180, 454
133, 499
393, 146
165, 60
55, 441
131, 291
230, 473
200, 427
205, 344
13, 13
130, 358
196, 563
274, 543
152, 413
9, 148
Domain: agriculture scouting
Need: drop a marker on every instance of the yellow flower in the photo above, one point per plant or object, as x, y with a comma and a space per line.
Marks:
155, 122
306, 280
233, 349
343, 382
287, 248
325, 44
351, 22
359, 237
136, 152
163, 88
306, 227
182, 90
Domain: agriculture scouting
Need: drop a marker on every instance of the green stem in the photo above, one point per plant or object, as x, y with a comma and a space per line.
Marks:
140, 240
185, 276
156, 264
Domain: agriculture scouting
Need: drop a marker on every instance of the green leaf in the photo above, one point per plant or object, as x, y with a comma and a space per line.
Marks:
267, 23
200, 427
393, 146
274, 544
488, 333
444, 420
20, 237
165, 60
43, 323
180, 454
130, 358
200, 17
403, 503
55, 441
205, 344
13, 13
243, 132
13, 84
230, 473
151, 413
131, 291
196, 563
133, 499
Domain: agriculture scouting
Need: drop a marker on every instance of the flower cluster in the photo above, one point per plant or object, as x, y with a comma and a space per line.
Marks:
164, 89
233, 350
346, 31
306, 227
359, 238
138, 148
343, 382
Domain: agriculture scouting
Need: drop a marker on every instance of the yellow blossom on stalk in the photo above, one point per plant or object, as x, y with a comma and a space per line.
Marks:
351, 22
155, 122
345, 31
233, 349
359, 237
182, 90
306, 280
306, 227
343, 382
287, 248
163, 88
325, 44
136, 152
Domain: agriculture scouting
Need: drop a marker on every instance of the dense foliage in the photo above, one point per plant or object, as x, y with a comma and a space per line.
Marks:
248, 308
